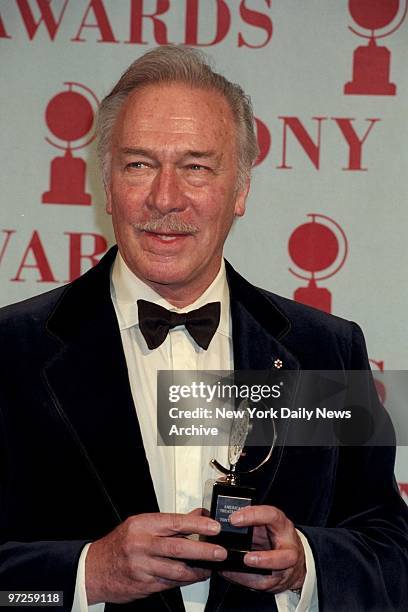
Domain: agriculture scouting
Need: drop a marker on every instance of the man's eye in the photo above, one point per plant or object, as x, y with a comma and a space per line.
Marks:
136, 164
197, 167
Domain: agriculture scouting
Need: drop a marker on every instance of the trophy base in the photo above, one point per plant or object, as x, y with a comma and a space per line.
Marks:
233, 563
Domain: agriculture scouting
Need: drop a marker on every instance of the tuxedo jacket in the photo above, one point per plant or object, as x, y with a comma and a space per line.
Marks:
72, 463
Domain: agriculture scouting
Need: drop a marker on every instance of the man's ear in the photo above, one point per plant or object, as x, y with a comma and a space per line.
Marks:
108, 193
241, 197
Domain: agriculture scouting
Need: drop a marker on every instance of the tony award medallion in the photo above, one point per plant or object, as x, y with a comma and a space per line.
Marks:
225, 495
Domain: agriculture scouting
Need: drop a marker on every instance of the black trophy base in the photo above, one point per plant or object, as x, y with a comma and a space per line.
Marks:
221, 499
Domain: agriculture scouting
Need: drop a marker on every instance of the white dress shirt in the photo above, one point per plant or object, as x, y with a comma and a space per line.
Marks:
178, 472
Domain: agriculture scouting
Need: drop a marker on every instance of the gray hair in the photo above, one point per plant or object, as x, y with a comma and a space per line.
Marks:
172, 63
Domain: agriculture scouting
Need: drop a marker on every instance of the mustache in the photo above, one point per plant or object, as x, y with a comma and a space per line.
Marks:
170, 224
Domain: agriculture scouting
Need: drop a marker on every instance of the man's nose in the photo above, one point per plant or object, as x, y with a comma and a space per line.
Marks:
165, 193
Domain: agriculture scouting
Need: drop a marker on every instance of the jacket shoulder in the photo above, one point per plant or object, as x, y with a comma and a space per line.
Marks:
32, 310
41, 307
300, 314
321, 338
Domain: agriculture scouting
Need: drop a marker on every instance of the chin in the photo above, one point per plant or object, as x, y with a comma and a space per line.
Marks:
164, 275
167, 279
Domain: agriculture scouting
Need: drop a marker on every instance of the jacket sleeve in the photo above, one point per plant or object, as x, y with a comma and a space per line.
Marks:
41, 566
361, 555
27, 561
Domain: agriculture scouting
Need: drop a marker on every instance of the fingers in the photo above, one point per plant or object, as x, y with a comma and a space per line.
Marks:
144, 555
272, 559
170, 524
183, 548
269, 516
176, 572
153, 535
285, 571
196, 512
277, 547
275, 583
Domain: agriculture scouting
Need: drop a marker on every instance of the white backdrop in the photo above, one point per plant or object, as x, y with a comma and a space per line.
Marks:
326, 151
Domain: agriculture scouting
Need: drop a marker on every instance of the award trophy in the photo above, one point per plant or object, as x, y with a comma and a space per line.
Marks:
225, 495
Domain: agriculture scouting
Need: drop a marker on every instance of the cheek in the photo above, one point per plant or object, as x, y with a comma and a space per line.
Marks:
126, 203
216, 206
221, 213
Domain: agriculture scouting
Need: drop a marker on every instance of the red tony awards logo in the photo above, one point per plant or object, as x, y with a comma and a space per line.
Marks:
319, 248
371, 62
70, 118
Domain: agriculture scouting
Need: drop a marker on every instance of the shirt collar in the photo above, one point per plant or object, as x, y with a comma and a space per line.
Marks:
126, 289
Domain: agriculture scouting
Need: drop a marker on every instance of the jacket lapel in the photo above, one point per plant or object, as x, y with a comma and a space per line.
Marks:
88, 381
257, 327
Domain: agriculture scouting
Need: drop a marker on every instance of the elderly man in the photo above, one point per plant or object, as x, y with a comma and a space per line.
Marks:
90, 505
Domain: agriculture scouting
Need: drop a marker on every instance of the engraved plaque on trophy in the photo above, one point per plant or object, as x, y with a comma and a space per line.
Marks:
225, 495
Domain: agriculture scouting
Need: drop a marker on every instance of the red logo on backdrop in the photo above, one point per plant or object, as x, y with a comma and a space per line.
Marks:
70, 118
378, 368
315, 247
371, 62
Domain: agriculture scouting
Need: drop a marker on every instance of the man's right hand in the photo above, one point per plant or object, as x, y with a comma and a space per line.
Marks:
144, 555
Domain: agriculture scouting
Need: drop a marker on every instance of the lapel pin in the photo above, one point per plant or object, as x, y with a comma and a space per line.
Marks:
278, 364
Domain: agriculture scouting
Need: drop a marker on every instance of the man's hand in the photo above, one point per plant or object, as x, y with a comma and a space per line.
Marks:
277, 547
143, 556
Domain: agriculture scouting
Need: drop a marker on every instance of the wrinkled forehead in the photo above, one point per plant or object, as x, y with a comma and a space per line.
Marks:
171, 109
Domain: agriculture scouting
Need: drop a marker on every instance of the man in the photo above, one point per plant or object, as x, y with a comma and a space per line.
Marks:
90, 505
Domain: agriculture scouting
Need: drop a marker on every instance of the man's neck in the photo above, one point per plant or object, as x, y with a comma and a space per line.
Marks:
183, 295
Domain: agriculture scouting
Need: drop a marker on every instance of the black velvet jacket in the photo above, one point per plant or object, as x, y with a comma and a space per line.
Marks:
72, 463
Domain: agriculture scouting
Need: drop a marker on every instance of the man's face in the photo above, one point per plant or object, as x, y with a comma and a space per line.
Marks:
173, 187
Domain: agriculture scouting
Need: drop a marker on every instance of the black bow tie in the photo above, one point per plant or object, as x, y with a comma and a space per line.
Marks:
155, 322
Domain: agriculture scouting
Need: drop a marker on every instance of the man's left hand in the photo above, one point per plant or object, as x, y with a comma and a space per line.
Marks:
277, 547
